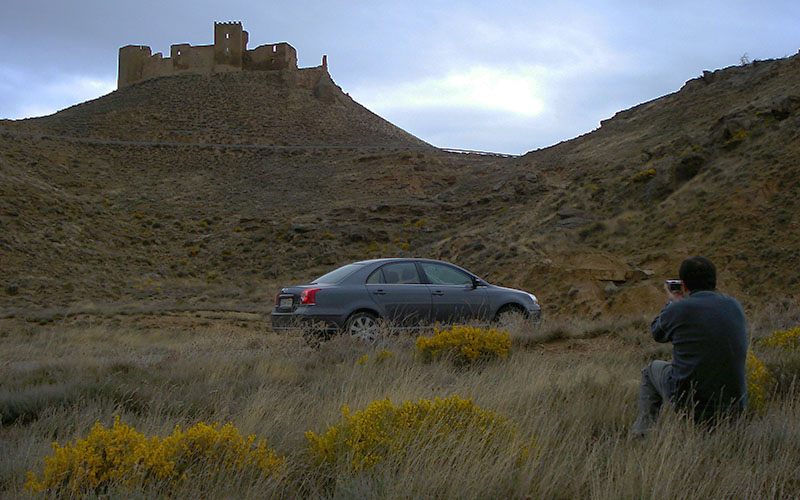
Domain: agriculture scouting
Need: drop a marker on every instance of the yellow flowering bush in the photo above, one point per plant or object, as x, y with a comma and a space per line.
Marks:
124, 458
786, 339
106, 456
465, 344
382, 429
759, 383
219, 448
380, 357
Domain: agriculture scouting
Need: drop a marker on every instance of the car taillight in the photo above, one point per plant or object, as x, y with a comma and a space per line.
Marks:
308, 297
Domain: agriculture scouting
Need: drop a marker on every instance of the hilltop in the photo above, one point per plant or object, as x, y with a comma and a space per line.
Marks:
592, 225
229, 108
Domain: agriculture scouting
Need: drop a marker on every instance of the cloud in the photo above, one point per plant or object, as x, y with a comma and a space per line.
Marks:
47, 97
479, 87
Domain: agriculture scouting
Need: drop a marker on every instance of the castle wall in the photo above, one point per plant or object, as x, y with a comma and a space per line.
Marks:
188, 59
156, 66
179, 53
308, 78
270, 57
202, 58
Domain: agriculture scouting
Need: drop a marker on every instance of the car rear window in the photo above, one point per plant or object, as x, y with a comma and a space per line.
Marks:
338, 275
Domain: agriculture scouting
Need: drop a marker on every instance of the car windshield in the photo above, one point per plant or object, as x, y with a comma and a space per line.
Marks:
337, 275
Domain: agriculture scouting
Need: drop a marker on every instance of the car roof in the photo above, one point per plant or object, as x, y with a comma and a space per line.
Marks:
408, 259
400, 259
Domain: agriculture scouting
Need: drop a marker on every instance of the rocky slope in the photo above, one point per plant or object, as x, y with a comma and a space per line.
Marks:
592, 225
713, 169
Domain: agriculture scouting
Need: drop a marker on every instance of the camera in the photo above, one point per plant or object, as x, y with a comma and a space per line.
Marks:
674, 285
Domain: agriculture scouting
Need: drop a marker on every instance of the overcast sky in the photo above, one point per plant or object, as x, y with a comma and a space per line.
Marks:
506, 76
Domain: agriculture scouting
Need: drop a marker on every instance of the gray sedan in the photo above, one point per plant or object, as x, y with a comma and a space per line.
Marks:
407, 293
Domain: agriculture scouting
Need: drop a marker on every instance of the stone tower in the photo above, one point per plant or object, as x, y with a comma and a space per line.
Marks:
132, 62
230, 44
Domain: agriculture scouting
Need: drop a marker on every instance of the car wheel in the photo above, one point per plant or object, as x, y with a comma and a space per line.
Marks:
510, 316
363, 326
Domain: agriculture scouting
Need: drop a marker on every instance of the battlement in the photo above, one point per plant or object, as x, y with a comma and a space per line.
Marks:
229, 53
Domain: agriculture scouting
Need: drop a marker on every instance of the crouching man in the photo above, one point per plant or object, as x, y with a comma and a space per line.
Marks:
709, 347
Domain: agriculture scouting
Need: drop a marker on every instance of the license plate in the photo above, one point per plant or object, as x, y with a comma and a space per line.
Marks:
286, 303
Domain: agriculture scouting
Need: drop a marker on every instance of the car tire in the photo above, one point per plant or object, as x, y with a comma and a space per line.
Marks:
509, 316
363, 326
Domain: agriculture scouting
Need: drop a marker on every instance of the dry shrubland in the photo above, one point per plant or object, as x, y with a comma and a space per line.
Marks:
564, 399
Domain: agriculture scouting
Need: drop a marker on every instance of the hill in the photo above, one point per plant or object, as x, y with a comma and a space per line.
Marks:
592, 225
255, 107
713, 169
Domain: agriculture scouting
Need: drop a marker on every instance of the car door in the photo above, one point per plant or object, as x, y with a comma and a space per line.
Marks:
453, 295
398, 289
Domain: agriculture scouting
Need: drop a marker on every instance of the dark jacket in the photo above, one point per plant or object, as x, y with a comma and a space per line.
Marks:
709, 337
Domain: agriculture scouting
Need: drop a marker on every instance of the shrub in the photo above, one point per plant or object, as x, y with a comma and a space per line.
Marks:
782, 360
785, 339
466, 344
380, 357
759, 383
221, 448
740, 135
121, 457
383, 429
644, 175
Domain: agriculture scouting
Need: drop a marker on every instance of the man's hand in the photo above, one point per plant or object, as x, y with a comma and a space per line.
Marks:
676, 295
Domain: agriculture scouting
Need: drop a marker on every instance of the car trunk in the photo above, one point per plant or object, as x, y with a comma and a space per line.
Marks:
288, 299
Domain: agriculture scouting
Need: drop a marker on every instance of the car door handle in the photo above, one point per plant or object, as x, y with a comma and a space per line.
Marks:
379, 292
437, 292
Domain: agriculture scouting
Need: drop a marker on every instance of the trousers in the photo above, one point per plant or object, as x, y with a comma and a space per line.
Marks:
656, 387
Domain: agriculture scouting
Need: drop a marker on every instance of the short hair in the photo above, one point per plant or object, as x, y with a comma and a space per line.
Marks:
698, 273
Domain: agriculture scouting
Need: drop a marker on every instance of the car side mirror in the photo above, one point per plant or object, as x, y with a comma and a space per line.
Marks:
475, 282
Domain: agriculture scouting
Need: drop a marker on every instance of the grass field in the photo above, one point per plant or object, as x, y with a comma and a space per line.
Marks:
568, 387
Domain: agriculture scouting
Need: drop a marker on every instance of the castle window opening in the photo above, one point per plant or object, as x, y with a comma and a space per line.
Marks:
274, 48
227, 35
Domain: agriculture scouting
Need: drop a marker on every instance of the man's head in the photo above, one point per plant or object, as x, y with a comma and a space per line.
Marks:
698, 273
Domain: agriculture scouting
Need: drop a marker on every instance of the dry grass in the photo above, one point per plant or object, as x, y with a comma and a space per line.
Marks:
570, 386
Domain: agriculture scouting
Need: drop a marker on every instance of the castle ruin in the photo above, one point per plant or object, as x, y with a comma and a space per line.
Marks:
229, 53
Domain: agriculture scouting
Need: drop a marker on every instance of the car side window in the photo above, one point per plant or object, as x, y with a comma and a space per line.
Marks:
400, 273
376, 278
445, 275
